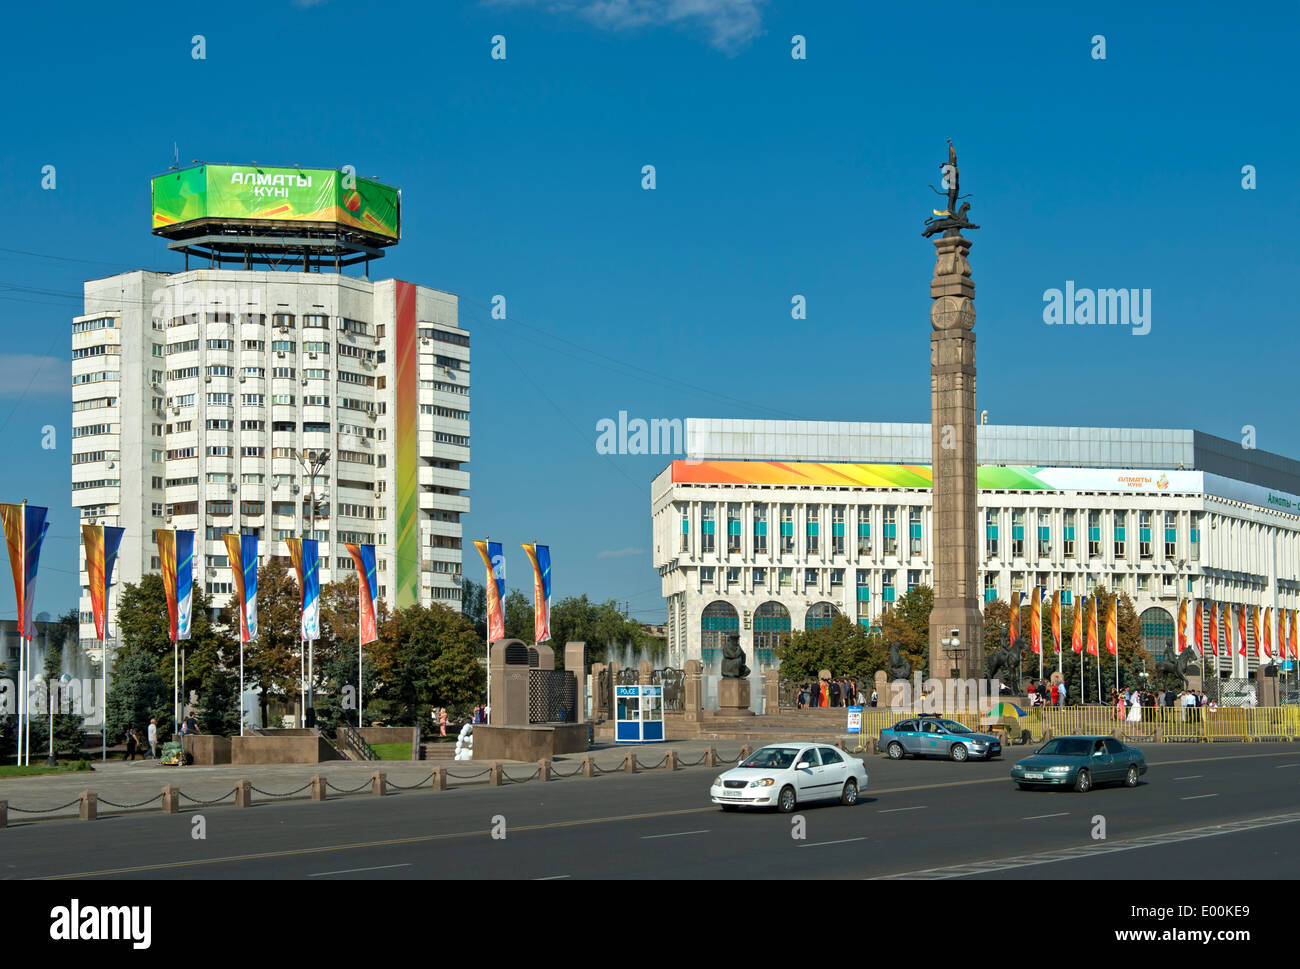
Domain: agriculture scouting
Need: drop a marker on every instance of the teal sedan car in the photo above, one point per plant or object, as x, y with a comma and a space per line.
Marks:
1080, 763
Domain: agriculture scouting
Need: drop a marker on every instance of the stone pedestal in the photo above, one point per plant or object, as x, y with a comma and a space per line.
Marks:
509, 670
733, 698
1267, 688
694, 690
954, 465
575, 661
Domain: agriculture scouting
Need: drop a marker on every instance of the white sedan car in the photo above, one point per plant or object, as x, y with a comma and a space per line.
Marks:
783, 775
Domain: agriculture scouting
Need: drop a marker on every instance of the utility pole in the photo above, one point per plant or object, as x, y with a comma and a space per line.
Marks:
313, 463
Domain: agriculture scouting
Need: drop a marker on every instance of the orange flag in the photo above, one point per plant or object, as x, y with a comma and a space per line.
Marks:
1254, 628
1268, 633
1112, 626
1181, 631
1092, 625
1241, 630
1015, 617
1056, 620
1214, 627
1076, 635
1200, 642
1036, 620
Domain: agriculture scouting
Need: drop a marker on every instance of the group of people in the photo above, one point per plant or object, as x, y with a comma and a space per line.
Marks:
831, 693
482, 712
190, 725
1131, 704
1043, 693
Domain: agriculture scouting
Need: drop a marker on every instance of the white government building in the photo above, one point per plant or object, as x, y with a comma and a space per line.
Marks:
198, 395
769, 526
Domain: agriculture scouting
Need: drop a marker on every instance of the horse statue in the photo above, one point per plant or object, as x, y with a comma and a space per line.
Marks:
899, 668
1182, 665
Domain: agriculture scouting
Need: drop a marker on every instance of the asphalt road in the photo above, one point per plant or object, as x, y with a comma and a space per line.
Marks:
917, 818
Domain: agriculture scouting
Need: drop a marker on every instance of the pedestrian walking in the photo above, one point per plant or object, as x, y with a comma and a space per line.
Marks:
153, 738
131, 742
442, 721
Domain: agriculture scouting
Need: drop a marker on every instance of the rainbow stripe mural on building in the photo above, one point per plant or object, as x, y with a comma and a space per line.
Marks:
406, 428
840, 475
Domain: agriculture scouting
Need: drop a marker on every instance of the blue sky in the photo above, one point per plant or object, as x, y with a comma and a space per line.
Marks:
775, 177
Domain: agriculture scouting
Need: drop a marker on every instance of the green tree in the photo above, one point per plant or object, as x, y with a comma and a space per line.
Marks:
137, 692
599, 625
519, 616
219, 703
427, 657
907, 623
272, 662
844, 647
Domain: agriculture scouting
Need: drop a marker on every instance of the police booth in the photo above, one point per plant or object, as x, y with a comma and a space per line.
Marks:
638, 714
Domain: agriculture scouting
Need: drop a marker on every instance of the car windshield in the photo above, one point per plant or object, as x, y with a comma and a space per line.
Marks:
952, 726
775, 758
1068, 747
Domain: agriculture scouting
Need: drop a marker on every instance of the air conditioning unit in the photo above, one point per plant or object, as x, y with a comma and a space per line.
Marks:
207, 378
241, 378
233, 488
280, 354
425, 341
297, 488
312, 355
167, 518
111, 465
284, 329
176, 410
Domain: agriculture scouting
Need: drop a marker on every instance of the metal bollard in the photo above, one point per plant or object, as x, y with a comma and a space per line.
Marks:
378, 783
318, 791
440, 778
171, 799
543, 770
243, 793
89, 805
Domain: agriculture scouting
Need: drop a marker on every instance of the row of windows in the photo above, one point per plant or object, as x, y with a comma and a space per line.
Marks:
428, 333
99, 323
101, 483
93, 457
94, 403
445, 387
98, 350
96, 377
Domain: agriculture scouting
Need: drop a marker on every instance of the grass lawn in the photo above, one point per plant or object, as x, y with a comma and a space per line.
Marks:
11, 770
392, 751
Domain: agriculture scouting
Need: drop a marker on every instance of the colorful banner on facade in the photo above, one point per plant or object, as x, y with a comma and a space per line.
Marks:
1268, 632
1076, 635
306, 563
1254, 628
1013, 622
1197, 635
101, 544
1214, 627
34, 528
1241, 630
1181, 632
540, 557
1112, 625
495, 563
1056, 621
1295, 643
1092, 625
242, 550
363, 557
406, 442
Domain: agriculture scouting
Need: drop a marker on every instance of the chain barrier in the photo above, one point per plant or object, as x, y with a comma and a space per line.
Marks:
329, 783
620, 768
537, 772
127, 807
289, 794
468, 777
693, 763
410, 787
207, 803
559, 773
61, 807
661, 763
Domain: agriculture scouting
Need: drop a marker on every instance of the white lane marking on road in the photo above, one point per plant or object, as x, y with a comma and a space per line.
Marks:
1284, 766
1197, 797
1189, 777
551, 878
842, 841
349, 871
675, 834
919, 807
1036, 817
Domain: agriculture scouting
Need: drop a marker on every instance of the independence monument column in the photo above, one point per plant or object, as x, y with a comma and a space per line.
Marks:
954, 518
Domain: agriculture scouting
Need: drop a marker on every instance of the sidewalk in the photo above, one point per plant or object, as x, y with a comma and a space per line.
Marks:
137, 785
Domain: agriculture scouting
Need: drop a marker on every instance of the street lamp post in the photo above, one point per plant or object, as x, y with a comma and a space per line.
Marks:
313, 462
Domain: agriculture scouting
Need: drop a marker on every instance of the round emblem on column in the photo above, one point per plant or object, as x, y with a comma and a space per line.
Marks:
953, 312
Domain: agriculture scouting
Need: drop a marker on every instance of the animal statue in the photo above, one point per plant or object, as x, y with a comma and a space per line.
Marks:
899, 668
1006, 659
1182, 665
733, 660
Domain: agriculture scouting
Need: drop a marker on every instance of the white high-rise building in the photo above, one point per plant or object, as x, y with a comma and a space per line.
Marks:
200, 399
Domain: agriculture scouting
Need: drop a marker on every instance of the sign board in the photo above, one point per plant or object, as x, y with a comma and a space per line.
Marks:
855, 720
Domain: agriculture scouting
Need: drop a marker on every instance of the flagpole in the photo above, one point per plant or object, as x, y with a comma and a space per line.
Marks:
1116, 644
103, 700
360, 702
176, 688
241, 684
22, 623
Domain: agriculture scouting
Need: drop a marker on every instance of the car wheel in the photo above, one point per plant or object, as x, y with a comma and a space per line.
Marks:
895, 750
1083, 781
850, 793
786, 801
959, 752
1131, 778
731, 807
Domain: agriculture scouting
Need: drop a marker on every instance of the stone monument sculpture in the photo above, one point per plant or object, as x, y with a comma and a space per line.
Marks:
1182, 666
733, 688
956, 618
733, 659
899, 668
